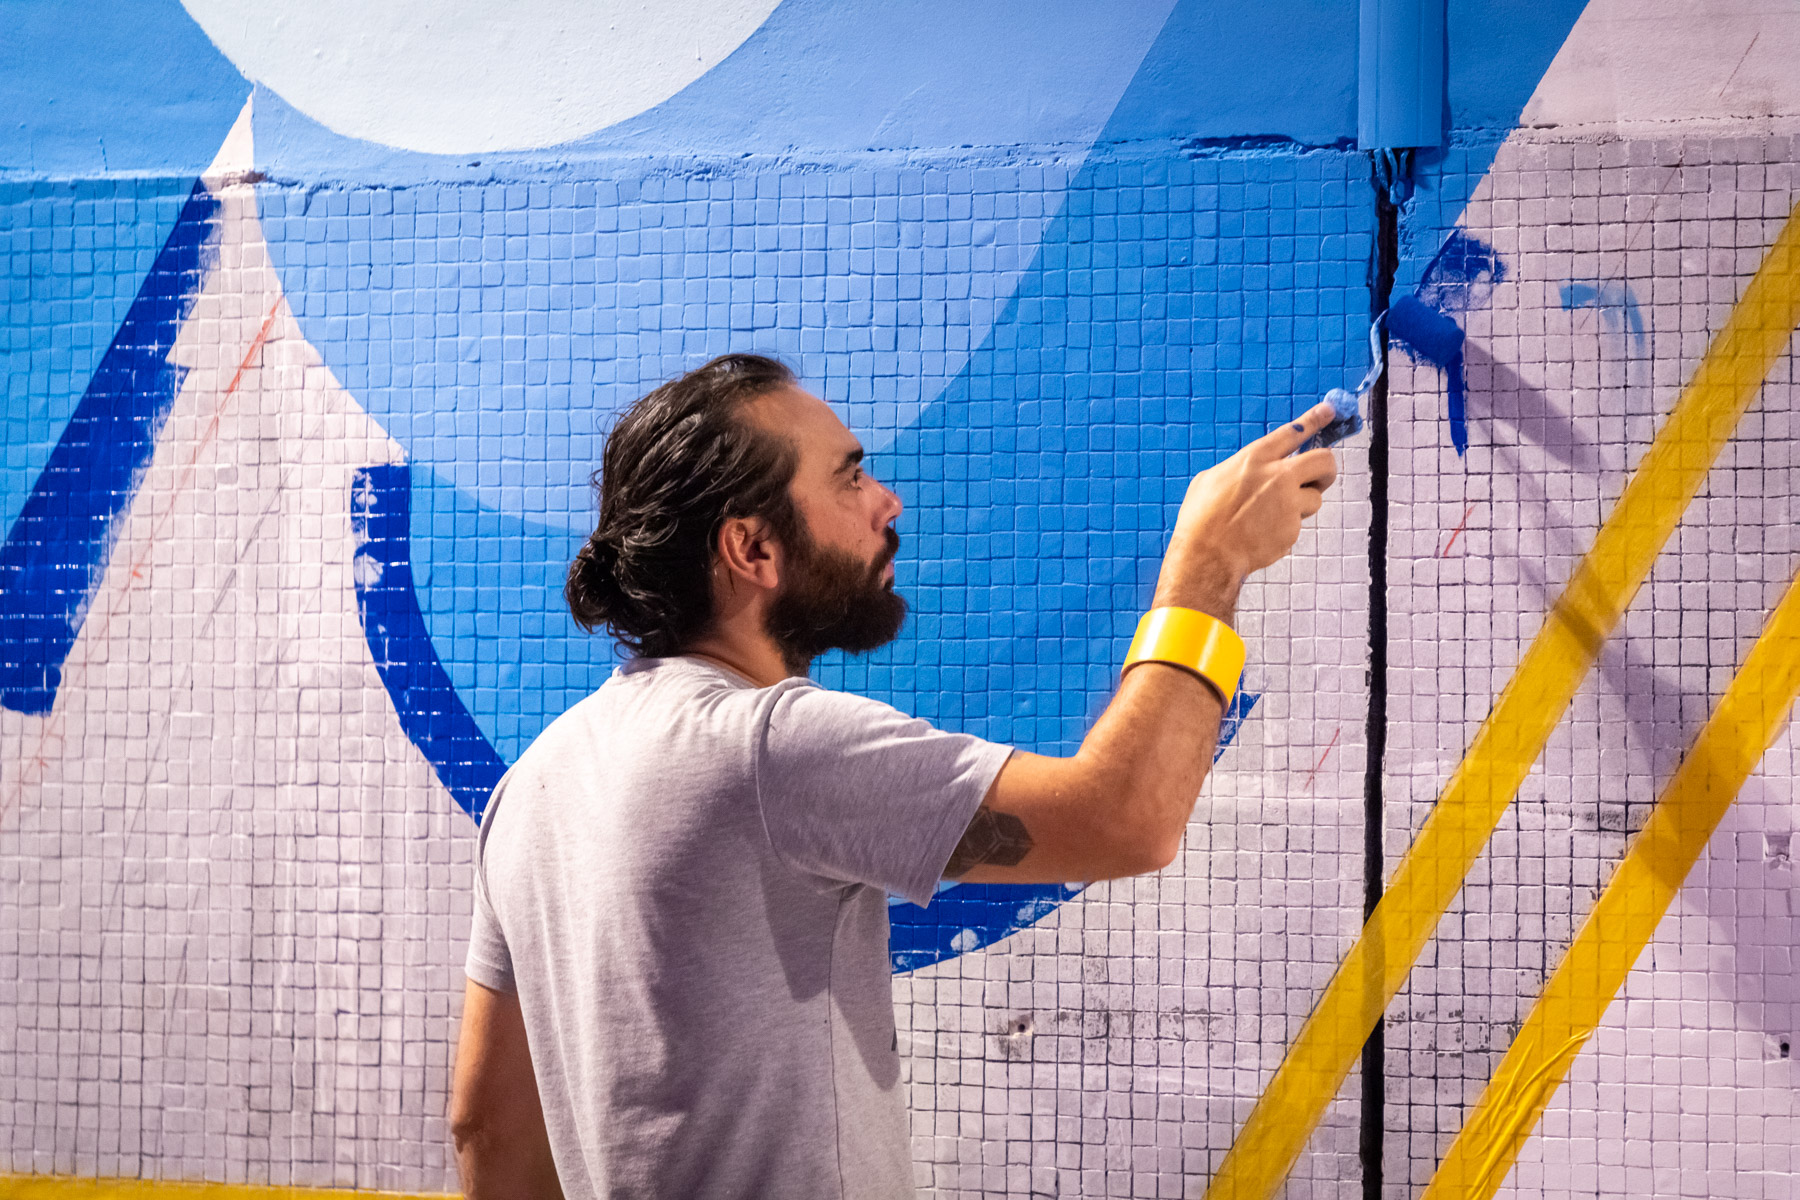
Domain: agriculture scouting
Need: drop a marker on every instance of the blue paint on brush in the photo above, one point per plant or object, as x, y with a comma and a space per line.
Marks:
969, 916
1462, 275
56, 553
1613, 299
1430, 336
1348, 421
430, 711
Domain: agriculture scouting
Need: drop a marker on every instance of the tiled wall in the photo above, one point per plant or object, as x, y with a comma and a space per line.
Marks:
293, 468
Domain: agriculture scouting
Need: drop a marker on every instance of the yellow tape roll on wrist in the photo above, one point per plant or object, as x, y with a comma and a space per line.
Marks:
1192, 641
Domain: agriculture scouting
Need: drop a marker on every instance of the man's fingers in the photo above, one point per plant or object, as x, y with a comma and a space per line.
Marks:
1281, 442
1311, 501
1315, 469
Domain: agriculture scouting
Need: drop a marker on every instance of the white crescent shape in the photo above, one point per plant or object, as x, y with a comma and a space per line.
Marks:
464, 76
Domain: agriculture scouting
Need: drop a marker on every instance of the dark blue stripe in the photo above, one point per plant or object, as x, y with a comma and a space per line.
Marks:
430, 710
969, 916
56, 555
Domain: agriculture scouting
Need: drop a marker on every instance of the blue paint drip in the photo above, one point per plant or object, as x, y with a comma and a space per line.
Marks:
429, 709
1434, 338
969, 916
56, 554
1613, 299
1462, 275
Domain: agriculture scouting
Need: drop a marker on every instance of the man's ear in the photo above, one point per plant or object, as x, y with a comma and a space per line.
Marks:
748, 553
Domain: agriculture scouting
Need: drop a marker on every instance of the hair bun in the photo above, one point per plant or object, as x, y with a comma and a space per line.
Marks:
593, 589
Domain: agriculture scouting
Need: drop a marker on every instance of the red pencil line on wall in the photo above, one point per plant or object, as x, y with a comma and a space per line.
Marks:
1328, 745
1467, 512
206, 439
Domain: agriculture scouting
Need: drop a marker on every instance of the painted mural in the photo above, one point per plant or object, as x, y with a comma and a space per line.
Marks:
317, 315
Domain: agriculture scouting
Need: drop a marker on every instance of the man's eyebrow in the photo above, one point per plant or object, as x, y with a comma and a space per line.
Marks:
851, 459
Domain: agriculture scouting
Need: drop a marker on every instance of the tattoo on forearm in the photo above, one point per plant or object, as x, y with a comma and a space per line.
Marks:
992, 837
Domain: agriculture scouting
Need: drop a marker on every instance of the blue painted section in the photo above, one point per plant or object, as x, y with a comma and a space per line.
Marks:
965, 917
1614, 300
430, 711
57, 550
507, 642
1402, 48
1432, 337
1170, 310
111, 87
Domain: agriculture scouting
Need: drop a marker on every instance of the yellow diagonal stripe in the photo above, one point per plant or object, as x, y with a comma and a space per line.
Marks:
66, 1187
1509, 741
1621, 924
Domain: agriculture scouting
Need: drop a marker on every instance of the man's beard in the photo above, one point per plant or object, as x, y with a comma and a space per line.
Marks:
831, 600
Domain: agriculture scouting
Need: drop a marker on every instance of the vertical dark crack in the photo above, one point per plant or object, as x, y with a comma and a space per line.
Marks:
1383, 264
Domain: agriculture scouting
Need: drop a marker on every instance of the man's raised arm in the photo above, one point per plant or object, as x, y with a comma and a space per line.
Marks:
1121, 804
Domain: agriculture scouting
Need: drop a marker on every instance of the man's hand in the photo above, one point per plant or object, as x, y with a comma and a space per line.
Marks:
1244, 515
1121, 805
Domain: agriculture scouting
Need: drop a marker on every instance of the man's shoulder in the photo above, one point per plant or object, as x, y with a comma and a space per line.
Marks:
646, 699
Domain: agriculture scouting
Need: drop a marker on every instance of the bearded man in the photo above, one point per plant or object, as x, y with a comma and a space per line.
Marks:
678, 973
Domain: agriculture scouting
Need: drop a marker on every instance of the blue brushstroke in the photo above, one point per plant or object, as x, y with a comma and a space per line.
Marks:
970, 916
1614, 300
56, 554
1432, 337
1462, 275
429, 709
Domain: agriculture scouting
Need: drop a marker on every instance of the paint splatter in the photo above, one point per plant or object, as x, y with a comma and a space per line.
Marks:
1614, 300
55, 556
1430, 336
430, 711
1462, 275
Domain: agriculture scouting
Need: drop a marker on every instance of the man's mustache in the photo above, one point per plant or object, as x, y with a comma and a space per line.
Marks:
888, 553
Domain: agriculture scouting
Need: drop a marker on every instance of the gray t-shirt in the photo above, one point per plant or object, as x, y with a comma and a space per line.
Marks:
683, 878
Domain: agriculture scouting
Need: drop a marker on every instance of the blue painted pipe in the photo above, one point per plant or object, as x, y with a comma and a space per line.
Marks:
1402, 46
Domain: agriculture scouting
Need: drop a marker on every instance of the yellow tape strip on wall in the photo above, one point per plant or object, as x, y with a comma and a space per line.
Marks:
1746, 722
61, 1187
1510, 740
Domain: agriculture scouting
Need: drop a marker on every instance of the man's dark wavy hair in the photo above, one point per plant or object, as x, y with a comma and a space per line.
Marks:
680, 463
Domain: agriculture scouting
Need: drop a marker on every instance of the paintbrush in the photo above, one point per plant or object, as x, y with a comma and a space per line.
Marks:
1347, 404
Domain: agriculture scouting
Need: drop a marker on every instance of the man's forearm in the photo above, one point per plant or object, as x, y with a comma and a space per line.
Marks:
505, 1163
1197, 577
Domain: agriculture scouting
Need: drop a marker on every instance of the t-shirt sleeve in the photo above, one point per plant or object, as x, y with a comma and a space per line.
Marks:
856, 791
489, 961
